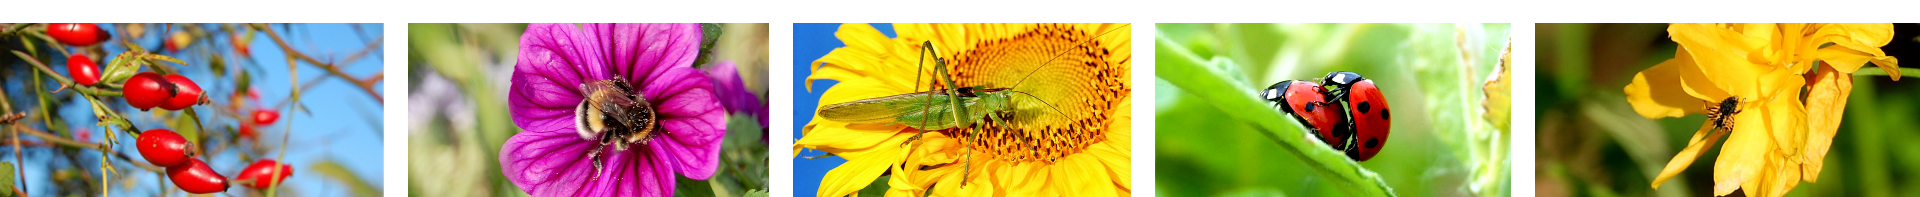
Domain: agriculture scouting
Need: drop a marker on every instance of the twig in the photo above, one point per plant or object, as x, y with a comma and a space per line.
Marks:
364, 84
6, 105
57, 140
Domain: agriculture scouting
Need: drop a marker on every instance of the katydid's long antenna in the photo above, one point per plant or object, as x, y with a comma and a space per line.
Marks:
1023, 79
1056, 110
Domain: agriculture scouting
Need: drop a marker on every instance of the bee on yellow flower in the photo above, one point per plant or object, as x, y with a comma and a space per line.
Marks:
1775, 91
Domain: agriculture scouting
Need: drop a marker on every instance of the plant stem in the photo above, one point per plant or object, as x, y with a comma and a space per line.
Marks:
1179, 67
1906, 72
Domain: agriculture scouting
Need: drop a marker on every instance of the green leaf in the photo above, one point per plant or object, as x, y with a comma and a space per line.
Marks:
164, 58
755, 193
744, 131
879, 187
6, 178
121, 68
712, 32
186, 126
218, 64
690, 187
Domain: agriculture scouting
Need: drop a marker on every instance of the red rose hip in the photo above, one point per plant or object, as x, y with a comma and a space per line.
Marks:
187, 93
196, 177
262, 173
83, 69
77, 34
163, 148
265, 116
147, 90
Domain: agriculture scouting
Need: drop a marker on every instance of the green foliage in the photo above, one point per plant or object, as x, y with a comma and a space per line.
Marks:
1208, 75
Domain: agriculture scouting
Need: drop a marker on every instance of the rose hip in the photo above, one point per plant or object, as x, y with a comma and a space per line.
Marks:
163, 147
77, 34
265, 116
196, 177
262, 173
147, 90
188, 94
83, 70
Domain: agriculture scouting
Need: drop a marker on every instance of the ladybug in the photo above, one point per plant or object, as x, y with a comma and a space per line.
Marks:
1368, 107
1306, 101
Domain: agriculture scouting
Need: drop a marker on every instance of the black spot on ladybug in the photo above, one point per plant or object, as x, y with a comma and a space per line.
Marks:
1309, 107
1383, 114
1364, 106
1373, 143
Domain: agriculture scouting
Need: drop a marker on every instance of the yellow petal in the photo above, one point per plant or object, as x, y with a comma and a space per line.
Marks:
1653, 94
1826, 105
1889, 64
1694, 81
1843, 59
1744, 155
1722, 55
1786, 176
860, 170
1787, 124
1703, 139
1081, 175
1865, 37
1786, 115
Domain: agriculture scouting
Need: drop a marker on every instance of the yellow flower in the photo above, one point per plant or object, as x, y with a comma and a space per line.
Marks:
1774, 141
1082, 149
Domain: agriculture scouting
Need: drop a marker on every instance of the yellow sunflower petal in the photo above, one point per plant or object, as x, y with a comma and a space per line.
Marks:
849, 141
868, 56
1081, 175
1703, 139
1653, 94
1744, 155
861, 168
1826, 105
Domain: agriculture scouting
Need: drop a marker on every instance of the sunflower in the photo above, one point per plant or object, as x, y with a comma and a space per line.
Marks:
1080, 145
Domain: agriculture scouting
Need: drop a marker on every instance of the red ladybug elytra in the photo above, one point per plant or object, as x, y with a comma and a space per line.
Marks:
1306, 101
1371, 119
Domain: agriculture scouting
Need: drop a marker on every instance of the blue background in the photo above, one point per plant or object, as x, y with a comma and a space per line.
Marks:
810, 42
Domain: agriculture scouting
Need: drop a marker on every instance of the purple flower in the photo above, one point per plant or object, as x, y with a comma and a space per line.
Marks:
733, 91
551, 158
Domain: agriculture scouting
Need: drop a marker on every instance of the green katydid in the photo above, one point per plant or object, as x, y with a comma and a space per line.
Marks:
935, 109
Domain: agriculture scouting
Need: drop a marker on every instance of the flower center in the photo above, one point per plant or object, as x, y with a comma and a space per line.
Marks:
1082, 79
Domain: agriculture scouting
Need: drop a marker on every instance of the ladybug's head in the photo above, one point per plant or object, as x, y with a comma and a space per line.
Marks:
1341, 78
1274, 92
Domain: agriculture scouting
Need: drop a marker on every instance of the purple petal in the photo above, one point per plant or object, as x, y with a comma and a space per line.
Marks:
693, 118
557, 164
554, 58
647, 50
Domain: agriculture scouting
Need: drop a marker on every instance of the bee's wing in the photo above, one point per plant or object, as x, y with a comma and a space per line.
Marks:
613, 101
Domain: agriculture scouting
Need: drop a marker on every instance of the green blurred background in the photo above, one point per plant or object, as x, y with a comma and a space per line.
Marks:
457, 84
1432, 74
1592, 143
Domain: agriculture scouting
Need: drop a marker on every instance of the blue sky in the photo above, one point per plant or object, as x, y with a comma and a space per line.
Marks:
810, 42
344, 125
